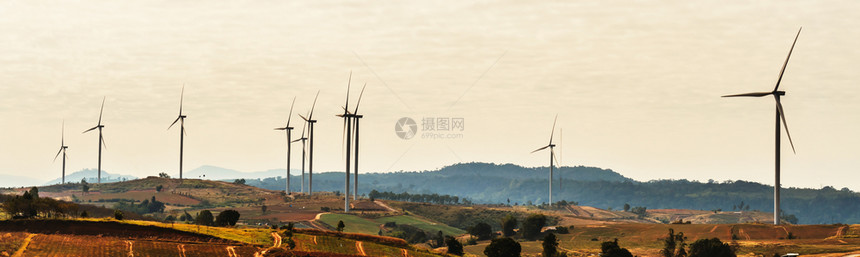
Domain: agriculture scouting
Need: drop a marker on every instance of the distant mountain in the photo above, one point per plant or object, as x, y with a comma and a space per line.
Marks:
218, 173
590, 186
92, 176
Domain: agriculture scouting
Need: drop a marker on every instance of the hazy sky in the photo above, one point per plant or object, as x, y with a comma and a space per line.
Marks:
635, 84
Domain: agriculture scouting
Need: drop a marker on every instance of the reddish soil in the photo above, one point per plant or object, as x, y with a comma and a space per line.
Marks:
114, 229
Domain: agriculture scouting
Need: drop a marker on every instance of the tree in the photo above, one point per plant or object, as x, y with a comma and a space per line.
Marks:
503, 247
264, 208
550, 245
454, 246
163, 175
340, 226
481, 230
117, 214
158, 188
186, 217
85, 214
205, 218
85, 187
611, 249
170, 218
240, 181
533, 225
711, 248
227, 218
672, 242
626, 207
509, 223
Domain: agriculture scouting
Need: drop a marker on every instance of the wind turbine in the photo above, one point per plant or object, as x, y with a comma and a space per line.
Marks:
347, 132
357, 117
303, 139
101, 138
181, 119
780, 115
63, 148
289, 130
310, 120
551, 157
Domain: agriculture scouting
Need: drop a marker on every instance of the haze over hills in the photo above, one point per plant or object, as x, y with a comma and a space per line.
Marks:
92, 176
590, 186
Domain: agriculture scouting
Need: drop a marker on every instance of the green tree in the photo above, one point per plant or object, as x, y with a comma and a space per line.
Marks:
550, 245
163, 175
672, 242
533, 225
626, 207
454, 246
117, 214
509, 223
503, 247
340, 226
711, 248
205, 218
85, 214
227, 218
612, 249
481, 230
158, 188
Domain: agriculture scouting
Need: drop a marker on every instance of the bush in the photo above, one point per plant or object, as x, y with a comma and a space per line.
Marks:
509, 223
611, 249
550, 245
117, 214
532, 226
711, 248
562, 230
503, 247
454, 246
482, 230
227, 218
205, 218
340, 226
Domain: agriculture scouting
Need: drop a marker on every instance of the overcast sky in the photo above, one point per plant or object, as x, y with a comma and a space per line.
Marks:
636, 85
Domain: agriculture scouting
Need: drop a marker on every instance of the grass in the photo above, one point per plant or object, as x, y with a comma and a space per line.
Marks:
254, 236
355, 224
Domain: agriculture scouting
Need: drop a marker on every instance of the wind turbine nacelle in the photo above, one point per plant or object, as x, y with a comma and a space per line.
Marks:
779, 93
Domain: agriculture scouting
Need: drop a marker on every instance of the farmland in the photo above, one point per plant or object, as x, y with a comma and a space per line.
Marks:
356, 224
141, 238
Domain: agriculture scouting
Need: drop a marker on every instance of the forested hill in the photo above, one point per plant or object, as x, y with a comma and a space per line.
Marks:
602, 188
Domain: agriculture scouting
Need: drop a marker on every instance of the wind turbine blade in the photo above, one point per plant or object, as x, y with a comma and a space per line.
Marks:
91, 129
183, 131
174, 122
553, 129
303, 117
63, 135
343, 138
348, 84
181, 97
785, 124
284, 128
755, 94
782, 71
290, 117
102, 110
311, 115
540, 149
359, 98
102, 139
58, 153
554, 158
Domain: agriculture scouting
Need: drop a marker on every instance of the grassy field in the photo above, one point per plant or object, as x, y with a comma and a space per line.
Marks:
355, 224
645, 239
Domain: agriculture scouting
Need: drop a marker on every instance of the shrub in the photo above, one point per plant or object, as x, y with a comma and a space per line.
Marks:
532, 226
117, 214
711, 248
454, 246
503, 247
227, 218
205, 218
